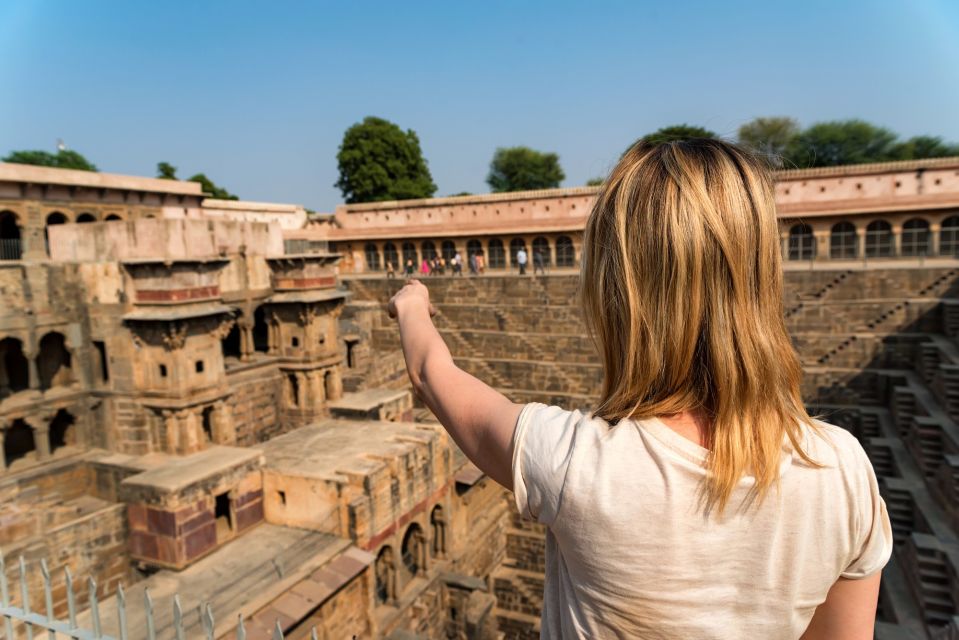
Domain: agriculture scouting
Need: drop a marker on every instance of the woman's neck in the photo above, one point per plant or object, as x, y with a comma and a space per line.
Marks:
695, 426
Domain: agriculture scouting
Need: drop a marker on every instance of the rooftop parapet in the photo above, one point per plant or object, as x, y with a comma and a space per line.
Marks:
162, 240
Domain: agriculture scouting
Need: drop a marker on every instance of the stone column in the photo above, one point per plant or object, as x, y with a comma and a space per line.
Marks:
224, 430
274, 337
41, 434
897, 240
172, 426
317, 396
822, 245
190, 439
34, 371
303, 389
861, 243
334, 384
935, 231
246, 341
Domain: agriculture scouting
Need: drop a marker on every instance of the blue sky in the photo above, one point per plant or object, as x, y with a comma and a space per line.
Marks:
257, 95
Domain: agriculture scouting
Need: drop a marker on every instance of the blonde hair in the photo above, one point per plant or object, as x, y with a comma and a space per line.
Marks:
682, 292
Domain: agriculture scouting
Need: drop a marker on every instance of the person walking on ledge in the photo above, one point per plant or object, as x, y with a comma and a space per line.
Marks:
698, 499
521, 259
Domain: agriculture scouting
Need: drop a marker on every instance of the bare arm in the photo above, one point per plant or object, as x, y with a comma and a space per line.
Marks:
849, 612
480, 419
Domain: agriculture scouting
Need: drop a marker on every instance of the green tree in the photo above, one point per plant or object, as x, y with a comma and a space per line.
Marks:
166, 171
769, 137
62, 159
212, 189
523, 169
379, 161
828, 144
595, 182
677, 132
919, 147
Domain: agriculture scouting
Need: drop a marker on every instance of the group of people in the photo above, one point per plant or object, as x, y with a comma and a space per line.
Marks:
437, 265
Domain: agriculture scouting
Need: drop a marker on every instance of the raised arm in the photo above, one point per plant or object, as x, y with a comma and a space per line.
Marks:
480, 419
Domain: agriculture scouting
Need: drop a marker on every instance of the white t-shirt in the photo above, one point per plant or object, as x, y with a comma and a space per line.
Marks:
629, 553
521, 256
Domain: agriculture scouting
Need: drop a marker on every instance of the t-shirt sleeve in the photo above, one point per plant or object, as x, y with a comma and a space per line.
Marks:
874, 532
543, 445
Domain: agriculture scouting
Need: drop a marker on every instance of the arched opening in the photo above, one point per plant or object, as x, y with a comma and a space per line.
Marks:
261, 331
54, 218
53, 362
18, 443
448, 249
409, 255
14, 368
10, 247
949, 237
428, 249
843, 243
474, 248
497, 255
206, 417
438, 522
372, 257
565, 256
879, 239
541, 252
915, 237
84, 218
231, 343
63, 431
413, 550
293, 390
385, 576
390, 256
514, 247
112, 217
802, 242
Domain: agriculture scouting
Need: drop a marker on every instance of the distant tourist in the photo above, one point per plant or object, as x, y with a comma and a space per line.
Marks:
410, 269
442, 266
698, 498
538, 262
474, 267
425, 267
481, 263
389, 269
521, 260
457, 265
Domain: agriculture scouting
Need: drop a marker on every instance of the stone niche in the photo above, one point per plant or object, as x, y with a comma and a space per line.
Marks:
185, 507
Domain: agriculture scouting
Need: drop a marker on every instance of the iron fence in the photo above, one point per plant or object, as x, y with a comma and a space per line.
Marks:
26, 621
10, 249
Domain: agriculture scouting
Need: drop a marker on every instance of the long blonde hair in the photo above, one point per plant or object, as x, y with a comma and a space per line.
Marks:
683, 294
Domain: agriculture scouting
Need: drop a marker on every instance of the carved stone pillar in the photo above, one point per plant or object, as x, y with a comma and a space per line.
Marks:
860, 243
273, 336
34, 371
190, 428
897, 241
302, 389
172, 427
224, 431
317, 393
41, 434
935, 231
246, 341
334, 384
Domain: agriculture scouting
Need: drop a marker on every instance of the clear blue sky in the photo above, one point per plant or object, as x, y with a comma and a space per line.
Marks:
257, 95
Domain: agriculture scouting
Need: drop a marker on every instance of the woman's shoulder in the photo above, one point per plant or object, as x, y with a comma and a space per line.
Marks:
832, 446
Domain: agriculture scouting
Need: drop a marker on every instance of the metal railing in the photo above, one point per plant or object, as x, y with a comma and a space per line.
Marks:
29, 621
10, 249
